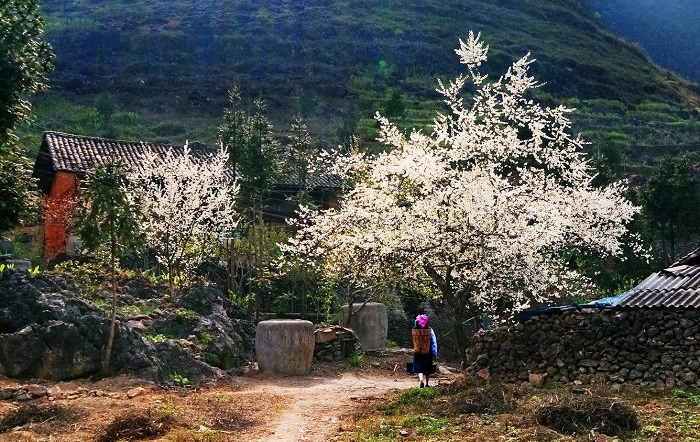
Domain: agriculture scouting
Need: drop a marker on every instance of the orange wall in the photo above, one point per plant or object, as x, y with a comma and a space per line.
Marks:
332, 201
58, 211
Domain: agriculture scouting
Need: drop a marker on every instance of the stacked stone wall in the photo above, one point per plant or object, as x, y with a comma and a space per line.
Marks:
644, 347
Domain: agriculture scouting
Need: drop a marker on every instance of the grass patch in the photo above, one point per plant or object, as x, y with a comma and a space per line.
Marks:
414, 395
424, 425
693, 398
355, 359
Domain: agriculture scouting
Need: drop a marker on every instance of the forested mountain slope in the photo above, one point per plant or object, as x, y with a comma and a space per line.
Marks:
668, 30
160, 69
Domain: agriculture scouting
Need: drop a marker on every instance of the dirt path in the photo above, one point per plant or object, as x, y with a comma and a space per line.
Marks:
253, 407
315, 406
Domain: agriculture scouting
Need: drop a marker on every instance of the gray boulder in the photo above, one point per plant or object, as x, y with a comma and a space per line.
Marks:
48, 331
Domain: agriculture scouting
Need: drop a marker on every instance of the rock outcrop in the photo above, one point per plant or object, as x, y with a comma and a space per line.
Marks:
48, 331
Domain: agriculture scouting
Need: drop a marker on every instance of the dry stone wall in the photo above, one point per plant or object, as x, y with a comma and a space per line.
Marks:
644, 347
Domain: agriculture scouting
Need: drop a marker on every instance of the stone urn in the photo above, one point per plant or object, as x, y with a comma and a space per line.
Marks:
370, 322
285, 346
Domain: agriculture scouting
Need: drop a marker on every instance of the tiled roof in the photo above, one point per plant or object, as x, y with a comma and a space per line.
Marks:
677, 286
327, 180
78, 153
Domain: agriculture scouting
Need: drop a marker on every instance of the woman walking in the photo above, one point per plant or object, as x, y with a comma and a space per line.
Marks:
424, 349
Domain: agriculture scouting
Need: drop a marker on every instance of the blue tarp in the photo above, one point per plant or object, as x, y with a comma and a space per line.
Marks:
609, 302
604, 303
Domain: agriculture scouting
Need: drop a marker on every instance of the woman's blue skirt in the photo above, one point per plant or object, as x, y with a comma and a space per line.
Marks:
423, 364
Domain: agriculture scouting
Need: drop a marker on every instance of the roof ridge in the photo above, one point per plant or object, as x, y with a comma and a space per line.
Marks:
112, 140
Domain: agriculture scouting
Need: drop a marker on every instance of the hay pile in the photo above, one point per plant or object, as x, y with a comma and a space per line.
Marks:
31, 414
137, 425
579, 414
482, 398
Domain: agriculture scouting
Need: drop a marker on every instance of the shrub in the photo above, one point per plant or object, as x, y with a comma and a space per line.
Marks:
184, 314
88, 276
205, 338
212, 359
179, 380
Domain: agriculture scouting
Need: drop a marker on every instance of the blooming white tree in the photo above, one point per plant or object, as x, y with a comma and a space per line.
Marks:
187, 204
483, 208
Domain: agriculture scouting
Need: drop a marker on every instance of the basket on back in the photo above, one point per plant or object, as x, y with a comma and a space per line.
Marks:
421, 340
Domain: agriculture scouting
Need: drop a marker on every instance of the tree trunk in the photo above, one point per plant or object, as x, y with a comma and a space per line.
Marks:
113, 321
672, 238
257, 229
455, 310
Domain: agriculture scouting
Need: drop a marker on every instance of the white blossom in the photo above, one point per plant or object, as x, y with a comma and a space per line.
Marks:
187, 203
483, 207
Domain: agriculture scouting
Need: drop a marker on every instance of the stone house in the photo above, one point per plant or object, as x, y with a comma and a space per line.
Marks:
64, 159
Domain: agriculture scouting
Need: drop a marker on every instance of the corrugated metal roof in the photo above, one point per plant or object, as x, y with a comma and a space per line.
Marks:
692, 258
675, 287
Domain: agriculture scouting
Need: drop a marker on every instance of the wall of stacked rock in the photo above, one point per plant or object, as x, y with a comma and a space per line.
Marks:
644, 347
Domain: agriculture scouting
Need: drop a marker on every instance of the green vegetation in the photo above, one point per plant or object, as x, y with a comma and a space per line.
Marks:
334, 64
107, 224
25, 60
157, 338
168, 404
205, 338
89, 277
693, 398
184, 314
469, 411
179, 380
212, 359
143, 309
355, 359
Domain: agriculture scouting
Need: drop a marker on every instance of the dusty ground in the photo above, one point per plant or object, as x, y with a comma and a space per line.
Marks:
252, 407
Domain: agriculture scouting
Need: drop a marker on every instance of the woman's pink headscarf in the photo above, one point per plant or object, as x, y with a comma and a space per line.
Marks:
422, 320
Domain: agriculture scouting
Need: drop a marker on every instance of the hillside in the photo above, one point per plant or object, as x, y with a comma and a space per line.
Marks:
159, 69
669, 31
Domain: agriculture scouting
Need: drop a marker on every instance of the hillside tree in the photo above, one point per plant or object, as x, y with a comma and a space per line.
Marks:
254, 159
107, 224
299, 162
484, 207
25, 60
670, 204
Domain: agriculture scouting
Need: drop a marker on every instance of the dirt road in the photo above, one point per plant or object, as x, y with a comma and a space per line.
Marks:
314, 407
252, 407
